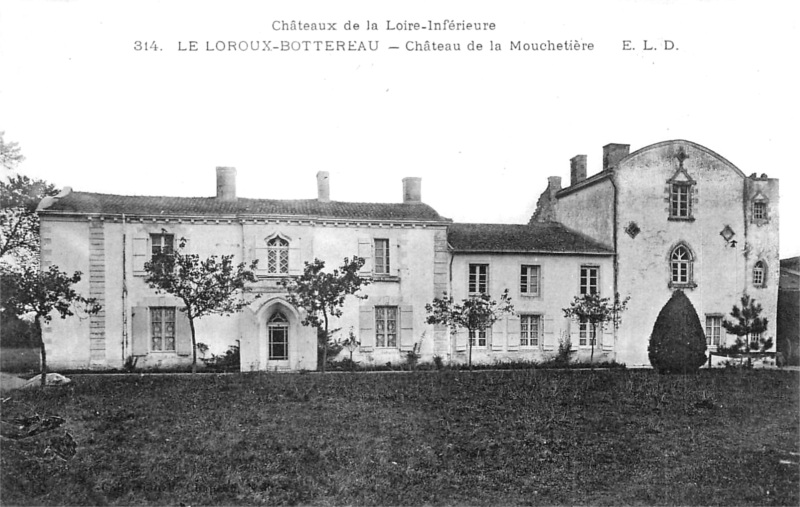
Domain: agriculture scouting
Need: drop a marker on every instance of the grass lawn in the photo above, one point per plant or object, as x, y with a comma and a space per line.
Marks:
494, 437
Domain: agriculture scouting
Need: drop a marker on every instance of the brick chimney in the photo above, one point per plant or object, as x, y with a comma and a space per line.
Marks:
613, 153
323, 187
226, 183
577, 169
412, 190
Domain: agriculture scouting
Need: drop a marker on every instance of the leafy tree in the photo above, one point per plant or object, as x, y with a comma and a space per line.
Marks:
10, 154
35, 295
747, 324
596, 310
474, 314
205, 286
678, 342
322, 295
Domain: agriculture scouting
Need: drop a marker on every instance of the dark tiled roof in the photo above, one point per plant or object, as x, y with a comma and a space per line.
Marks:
90, 203
545, 237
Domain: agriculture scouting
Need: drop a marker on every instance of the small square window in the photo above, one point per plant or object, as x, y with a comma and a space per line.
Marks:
162, 243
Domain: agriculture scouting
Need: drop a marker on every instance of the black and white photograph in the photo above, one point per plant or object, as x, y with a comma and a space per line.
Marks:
399, 253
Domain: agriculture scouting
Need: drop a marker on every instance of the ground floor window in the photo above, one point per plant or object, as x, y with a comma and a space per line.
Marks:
587, 335
278, 337
477, 338
386, 326
162, 329
530, 330
713, 330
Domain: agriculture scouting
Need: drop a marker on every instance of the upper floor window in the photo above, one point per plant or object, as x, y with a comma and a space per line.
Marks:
530, 330
681, 266
590, 276
381, 266
162, 329
680, 200
759, 210
478, 278
386, 326
529, 280
277, 256
759, 274
162, 243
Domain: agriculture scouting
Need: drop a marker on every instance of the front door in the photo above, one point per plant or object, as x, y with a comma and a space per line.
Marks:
278, 338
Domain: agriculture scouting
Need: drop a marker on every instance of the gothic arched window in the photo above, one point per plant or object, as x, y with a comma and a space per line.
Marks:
277, 256
680, 261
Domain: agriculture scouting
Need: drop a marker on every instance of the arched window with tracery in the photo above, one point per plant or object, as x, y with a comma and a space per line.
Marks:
277, 256
681, 261
759, 274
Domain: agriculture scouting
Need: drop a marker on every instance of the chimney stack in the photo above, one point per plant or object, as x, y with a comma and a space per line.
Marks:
577, 169
323, 187
553, 184
226, 183
613, 153
412, 190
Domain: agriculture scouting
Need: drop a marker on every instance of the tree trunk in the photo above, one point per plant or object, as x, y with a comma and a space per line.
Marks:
325, 343
469, 342
194, 346
592, 338
37, 328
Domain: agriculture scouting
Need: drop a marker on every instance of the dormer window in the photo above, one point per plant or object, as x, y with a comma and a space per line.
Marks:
759, 211
680, 200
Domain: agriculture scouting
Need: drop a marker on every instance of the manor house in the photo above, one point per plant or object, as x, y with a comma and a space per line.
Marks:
673, 215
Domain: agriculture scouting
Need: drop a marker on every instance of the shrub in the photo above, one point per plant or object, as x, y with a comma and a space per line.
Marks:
229, 361
678, 342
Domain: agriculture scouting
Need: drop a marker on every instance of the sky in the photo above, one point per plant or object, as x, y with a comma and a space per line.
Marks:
482, 128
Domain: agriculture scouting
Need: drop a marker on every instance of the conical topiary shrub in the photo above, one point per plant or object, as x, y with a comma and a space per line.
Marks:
678, 343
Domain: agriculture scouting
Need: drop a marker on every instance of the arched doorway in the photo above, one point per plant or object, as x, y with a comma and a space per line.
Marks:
278, 337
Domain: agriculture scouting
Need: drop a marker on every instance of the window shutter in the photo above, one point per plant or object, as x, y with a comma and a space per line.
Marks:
365, 251
573, 329
260, 251
549, 334
406, 327
366, 327
295, 261
141, 332
512, 332
140, 254
608, 336
183, 334
461, 339
496, 338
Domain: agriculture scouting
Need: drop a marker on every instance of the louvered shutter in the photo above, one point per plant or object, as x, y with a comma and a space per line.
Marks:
461, 340
549, 334
574, 328
512, 332
183, 334
406, 327
140, 333
141, 251
366, 327
260, 252
496, 338
295, 258
365, 252
608, 336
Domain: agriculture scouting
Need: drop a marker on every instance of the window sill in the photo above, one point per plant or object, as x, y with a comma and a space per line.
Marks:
385, 278
530, 296
680, 219
690, 285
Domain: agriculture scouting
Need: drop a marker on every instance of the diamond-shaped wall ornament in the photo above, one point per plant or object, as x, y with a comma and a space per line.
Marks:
632, 229
727, 234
